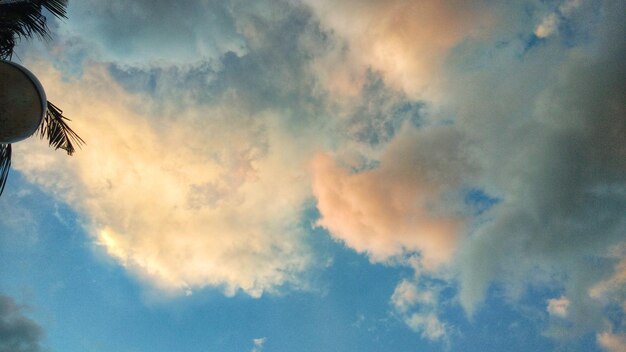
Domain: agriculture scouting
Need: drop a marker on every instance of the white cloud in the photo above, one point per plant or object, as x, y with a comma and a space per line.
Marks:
550, 23
547, 26
210, 196
258, 344
558, 306
429, 324
417, 306
404, 296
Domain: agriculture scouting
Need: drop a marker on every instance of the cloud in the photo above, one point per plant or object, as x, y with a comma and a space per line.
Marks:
547, 26
405, 40
195, 171
429, 324
612, 290
397, 107
181, 200
550, 23
155, 31
538, 126
395, 208
417, 306
17, 332
612, 342
258, 344
562, 184
406, 295
558, 306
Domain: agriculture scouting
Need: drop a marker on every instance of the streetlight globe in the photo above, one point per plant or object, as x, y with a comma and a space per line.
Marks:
22, 103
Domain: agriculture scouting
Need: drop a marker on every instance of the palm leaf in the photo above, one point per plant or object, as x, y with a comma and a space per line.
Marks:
23, 19
59, 134
56, 7
5, 164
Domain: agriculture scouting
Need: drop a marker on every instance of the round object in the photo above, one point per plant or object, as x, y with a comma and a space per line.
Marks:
22, 103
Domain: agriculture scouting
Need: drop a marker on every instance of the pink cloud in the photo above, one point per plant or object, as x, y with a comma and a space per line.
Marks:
405, 40
395, 208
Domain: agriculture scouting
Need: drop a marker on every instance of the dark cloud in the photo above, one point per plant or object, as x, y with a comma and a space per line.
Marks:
17, 332
543, 126
551, 144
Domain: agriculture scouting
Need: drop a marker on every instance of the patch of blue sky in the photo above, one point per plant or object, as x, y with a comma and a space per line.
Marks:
532, 41
478, 200
518, 325
496, 327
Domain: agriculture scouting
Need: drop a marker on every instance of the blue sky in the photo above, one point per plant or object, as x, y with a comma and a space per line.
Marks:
323, 176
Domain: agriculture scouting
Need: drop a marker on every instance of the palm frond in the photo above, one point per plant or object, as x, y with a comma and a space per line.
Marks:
5, 164
7, 43
59, 134
23, 19
56, 7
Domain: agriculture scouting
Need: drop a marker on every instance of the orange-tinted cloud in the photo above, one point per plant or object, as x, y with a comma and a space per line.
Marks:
405, 40
612, 342
396, 207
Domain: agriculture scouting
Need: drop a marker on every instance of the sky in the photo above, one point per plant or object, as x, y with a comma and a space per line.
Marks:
315, 175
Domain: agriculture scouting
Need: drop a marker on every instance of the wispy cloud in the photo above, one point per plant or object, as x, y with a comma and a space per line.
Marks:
258, 344
418, 308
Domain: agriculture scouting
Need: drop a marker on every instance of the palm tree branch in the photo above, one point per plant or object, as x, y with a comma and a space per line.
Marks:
56, 7
23, 19
59, 134
5, 164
